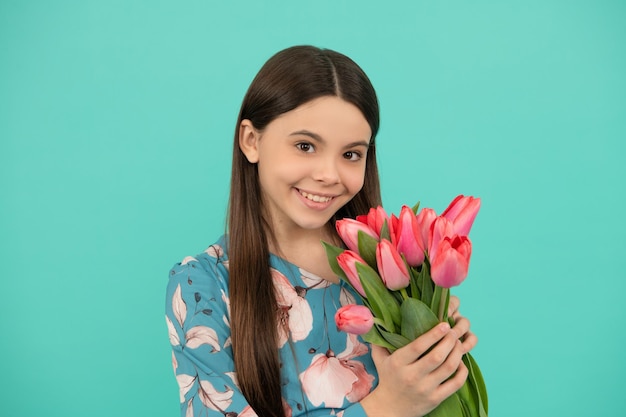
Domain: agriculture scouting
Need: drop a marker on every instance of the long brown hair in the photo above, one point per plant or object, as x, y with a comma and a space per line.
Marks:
289, 79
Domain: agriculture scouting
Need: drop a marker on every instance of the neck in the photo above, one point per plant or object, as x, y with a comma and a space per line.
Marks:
297, 240
304, 249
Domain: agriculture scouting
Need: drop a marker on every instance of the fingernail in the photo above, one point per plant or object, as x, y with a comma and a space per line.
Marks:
444, 327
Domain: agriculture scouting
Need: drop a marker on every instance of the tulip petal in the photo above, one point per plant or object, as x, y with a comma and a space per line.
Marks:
451, 261
391, 266
354, 319
408, 238
348, 230
462, 211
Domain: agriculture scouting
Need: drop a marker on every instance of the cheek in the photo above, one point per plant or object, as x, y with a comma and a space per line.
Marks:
354, 178
279, 171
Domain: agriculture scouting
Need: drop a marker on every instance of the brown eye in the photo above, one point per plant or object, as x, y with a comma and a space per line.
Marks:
352, 156
305, 147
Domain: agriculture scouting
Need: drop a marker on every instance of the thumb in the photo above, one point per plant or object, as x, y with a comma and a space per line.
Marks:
379, 354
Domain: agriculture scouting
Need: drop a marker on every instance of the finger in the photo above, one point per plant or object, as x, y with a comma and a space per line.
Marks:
450, 365
439, 354
461, 327
379, 354
453, 305
453, 384
411, 352
469, 342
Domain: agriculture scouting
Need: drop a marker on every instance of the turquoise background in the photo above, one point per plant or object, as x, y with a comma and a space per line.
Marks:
116, 123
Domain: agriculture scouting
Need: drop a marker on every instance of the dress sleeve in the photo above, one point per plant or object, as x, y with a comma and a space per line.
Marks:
197, 317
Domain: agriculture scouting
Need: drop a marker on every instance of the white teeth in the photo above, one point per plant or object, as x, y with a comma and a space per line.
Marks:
316, 198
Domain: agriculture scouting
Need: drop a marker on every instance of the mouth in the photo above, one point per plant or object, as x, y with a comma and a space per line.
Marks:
315, 197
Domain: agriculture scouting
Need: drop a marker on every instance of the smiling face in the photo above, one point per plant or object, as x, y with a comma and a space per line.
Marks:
311, 162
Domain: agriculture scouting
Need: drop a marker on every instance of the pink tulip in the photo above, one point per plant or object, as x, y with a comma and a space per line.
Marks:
348, 230
391, 267
440, 228
355, 319
347, 262
407, 238
375, 219
462, 212
425, 220
451, 261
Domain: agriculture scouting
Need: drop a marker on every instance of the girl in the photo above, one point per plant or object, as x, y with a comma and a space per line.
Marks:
251, 318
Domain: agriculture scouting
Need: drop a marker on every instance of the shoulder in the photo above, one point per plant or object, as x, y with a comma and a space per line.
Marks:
205, 262
205, 273
197, 295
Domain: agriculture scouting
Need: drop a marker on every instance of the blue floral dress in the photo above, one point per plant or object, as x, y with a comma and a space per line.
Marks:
325, 372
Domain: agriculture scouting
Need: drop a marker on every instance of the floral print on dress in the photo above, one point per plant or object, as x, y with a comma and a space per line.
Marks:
295, 317
333, 378
316, 380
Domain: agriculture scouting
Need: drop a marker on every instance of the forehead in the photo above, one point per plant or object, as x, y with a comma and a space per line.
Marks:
327, 116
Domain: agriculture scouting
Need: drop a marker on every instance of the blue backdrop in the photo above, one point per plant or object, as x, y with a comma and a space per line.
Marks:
116, 123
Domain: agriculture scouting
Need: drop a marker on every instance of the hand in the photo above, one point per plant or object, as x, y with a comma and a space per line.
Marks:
461, 325
419, 376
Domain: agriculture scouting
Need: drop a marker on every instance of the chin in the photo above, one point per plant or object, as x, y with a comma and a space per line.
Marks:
312, 224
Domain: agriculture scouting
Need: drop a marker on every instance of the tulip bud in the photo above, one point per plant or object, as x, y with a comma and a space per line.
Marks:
462, 211
425, 220
439, 229
391, 267
376, 217
348, 230
354, 319
407, 238
347, 262
450, 263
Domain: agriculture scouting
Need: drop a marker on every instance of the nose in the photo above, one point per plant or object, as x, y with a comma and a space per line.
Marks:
326, 171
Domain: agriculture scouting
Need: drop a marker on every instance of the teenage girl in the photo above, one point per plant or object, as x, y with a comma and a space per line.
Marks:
251, 318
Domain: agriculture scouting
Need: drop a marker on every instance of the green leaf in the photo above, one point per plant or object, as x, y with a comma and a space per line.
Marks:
450, 407
435, 304
414, 289
469, 399
374, 337
476, 379
425, 284
331, 253
382, 303
465, 408
416, 207
417, 318
367, 248
395, 339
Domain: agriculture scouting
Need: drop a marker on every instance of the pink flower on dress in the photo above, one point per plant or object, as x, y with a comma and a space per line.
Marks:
295, 317
333, 379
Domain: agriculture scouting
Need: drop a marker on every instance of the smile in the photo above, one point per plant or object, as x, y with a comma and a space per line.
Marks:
316, 198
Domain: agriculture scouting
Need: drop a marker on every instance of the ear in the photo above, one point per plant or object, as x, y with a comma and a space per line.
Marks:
249, 141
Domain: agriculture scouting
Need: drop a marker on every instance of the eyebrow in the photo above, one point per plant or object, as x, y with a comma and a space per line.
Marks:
319, 139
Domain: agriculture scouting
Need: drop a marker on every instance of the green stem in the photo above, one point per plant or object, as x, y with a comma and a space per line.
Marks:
380, 322
404, 293
442, 303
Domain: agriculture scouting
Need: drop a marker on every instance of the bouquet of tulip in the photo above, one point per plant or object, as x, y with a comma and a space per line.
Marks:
403, 268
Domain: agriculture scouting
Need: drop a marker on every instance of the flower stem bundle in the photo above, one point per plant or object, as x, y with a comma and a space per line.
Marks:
403, 268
